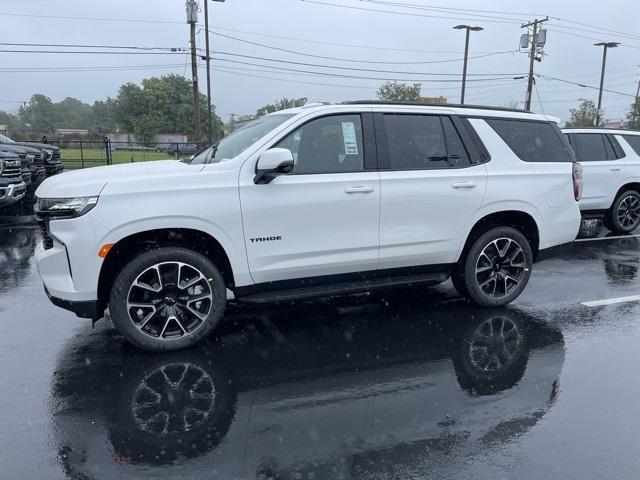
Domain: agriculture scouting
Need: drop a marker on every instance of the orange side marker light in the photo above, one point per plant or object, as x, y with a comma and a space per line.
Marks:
105, 250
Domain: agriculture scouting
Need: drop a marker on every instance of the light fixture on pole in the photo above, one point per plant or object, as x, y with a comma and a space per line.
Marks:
468, 29
605, 46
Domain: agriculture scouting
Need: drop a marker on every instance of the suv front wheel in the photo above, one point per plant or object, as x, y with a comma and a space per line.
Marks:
496, 268
167, 299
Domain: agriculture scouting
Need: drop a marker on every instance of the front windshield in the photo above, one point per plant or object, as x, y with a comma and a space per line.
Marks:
240, 140
5, 139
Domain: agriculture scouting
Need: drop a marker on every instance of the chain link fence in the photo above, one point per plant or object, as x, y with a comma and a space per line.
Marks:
93, 153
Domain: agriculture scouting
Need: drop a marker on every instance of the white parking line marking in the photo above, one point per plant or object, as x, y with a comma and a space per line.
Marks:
618, 237
612, 301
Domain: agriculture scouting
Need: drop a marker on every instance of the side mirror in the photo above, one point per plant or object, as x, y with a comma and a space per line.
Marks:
272, 163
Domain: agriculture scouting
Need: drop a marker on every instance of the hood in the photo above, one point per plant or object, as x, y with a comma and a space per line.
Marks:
10, 147
47, 146
90, 181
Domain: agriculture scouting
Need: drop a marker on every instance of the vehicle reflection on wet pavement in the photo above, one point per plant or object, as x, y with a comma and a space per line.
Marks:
411, 383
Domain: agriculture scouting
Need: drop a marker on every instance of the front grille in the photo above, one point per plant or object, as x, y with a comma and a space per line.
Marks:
47, 241
11, 171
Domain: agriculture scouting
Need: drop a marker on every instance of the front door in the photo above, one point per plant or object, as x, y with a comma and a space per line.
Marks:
323, 218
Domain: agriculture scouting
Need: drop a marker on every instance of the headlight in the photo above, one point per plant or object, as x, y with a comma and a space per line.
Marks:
31, 157
51, 208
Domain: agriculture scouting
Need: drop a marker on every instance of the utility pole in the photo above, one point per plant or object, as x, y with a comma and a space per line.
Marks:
605, 46
192, 19
208, 61
635, 106
466, 55
532, 56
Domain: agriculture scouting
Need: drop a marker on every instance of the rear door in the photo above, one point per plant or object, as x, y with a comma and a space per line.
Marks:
602, 170
431, 187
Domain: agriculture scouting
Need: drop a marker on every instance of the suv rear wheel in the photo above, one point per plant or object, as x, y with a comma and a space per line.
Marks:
624, 215
496, 268
167, 299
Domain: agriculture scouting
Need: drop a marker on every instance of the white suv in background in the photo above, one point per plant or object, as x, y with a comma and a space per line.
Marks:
308, 202
611, 162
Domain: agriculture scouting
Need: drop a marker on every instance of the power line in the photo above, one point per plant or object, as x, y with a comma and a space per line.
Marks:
97, 19
86, 52
395, 12
414, 62
69, 45
547, 77
335, 67
337, 44
342, 75
453, 11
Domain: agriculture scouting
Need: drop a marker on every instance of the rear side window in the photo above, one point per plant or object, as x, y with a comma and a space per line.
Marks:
423, 142
590, 147
634, 142
533, 141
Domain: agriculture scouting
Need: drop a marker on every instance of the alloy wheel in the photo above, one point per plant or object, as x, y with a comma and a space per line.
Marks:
169, 300
628, 212
500, 267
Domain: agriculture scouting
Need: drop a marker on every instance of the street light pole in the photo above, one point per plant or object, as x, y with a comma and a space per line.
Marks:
192, 19
605, 46
466, 56
208, 62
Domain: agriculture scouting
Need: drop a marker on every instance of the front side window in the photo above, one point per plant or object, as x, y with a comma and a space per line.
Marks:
327, 145
634, 142
590, 147
423, 142
533, 141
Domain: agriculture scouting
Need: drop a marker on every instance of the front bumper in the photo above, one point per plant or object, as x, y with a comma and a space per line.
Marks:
12, 193
82, 309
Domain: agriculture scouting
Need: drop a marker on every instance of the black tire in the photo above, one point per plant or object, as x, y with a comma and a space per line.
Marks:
505, 289
148, 338
626, 204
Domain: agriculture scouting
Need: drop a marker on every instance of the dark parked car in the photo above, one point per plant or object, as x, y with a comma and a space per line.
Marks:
12, 187
32, 164
51, 160
182, 149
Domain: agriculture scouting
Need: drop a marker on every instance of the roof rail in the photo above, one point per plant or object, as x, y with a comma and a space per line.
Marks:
628, 130
444, 105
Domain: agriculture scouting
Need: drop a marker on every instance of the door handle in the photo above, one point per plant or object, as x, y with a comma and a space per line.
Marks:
615, 169
358, 189
464, 185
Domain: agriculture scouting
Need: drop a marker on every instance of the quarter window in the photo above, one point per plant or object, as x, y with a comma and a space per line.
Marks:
327, 145
423, 142
634, 142
533, 141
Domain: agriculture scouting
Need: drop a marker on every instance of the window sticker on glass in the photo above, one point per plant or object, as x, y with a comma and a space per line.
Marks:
350, 140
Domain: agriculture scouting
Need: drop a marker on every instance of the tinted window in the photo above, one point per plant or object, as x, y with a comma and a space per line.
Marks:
634, 141
533, 141
327, 145
420, 142
590, 147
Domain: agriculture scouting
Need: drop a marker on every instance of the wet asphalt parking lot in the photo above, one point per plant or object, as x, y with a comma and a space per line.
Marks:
408, 384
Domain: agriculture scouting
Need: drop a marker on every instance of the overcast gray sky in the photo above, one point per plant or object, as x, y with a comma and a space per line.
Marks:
347, 29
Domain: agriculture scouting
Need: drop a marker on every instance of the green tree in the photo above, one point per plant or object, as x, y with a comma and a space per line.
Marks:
103, 116
634, 116
40, 113
282, 104
584, 116
394, 91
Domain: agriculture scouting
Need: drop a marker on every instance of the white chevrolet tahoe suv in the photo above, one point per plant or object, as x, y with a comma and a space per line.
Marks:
308, 202
611, 162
